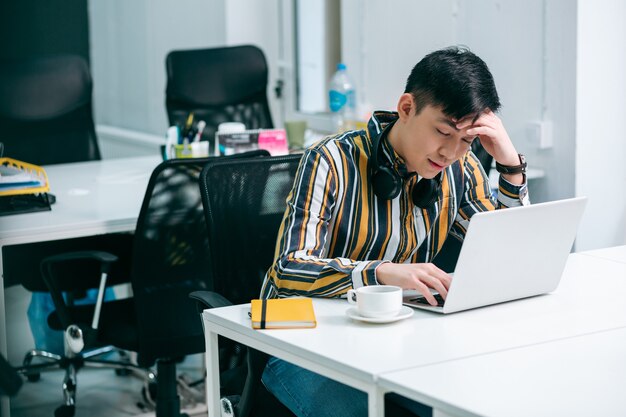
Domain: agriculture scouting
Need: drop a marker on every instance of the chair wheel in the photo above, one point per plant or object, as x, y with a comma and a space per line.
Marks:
33, 377
122, 372
65, 411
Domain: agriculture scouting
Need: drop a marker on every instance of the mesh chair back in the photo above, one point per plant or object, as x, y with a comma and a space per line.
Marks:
449, 254
482, 155
218, 85
244, 202
45, 110
170, 260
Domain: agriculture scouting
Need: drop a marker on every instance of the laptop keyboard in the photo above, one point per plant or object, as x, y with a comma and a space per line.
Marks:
422, 300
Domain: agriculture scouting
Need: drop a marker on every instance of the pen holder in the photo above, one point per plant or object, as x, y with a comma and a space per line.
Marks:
191, 150
182, 151
200, 149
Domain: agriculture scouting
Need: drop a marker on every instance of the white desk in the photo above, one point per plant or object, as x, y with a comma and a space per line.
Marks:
357, 353
616, 253
578, 376
93, 198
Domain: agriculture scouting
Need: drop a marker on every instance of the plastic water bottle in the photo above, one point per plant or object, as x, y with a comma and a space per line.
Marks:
342, 99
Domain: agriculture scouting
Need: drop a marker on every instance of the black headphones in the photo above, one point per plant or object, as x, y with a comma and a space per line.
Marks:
388, 184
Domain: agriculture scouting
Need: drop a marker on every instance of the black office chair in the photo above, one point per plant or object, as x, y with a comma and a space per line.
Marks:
89, 330
45, 110
10, 381
449, 254
169, 260
218, 85
244, 202
46, 118
482, 155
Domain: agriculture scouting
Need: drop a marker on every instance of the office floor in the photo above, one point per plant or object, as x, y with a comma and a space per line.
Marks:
100, 393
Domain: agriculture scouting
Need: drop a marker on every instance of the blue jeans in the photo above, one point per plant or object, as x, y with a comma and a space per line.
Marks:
308, 394
39, 309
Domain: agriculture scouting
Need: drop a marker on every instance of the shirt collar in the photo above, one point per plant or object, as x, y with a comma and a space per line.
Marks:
377, 126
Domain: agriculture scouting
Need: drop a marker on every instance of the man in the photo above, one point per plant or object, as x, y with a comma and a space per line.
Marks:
375, 207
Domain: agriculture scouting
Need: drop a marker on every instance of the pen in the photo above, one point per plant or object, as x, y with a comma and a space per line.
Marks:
188, 125
190, 135
172, 139
201, 126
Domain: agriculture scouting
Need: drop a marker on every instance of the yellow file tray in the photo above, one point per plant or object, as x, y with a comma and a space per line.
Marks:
34, 172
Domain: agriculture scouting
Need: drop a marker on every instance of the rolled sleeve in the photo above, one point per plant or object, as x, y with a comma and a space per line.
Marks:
512, 195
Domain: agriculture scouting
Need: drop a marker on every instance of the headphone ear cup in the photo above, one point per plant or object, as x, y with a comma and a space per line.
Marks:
386, 183
425, 192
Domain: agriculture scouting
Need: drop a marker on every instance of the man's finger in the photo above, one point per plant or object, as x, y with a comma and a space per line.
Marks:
441, 275
423, 289
438, 286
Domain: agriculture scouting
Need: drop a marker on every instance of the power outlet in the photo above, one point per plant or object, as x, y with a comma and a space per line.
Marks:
540, 134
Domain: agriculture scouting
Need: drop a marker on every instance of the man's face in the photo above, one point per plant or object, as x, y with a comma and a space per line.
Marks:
430, 141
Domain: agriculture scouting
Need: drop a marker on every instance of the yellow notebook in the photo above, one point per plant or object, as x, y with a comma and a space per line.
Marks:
282, 313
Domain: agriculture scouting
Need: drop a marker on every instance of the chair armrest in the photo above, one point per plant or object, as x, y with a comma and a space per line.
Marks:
52, 282
256, 360
209, 299
104, 257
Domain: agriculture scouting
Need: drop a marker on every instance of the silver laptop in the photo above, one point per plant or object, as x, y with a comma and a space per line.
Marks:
510, 254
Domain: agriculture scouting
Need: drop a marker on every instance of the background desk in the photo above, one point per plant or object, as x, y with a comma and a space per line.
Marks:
357, 353
616, 253
93, 198
578, 376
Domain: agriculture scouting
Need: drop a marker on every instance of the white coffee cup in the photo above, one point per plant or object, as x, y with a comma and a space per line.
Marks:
377, 301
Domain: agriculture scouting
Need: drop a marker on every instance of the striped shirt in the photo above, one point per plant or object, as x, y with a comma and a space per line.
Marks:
335, 231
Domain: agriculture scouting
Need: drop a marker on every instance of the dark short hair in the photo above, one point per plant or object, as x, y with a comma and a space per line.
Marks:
454, 79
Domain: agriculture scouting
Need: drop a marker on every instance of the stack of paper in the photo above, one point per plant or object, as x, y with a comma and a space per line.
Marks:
21, 178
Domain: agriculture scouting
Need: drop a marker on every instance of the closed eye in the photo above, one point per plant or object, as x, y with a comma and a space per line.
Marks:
469, 141
442, 133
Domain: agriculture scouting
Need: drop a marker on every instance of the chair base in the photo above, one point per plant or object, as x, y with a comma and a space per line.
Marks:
190, 395
168, 401
65, 411
71, 365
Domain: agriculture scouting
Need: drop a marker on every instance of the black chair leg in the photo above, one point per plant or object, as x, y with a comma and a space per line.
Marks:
69, 393
168, 401
30, 370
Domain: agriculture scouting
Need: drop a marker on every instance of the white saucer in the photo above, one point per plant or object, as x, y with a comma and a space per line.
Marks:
405, 312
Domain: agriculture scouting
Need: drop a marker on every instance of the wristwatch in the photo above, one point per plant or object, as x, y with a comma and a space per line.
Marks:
513, 169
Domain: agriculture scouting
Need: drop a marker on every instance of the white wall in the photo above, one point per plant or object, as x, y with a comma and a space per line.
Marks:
318, 51
547, 57
509, 38
257, 23
558, 61
529, 46
601, 99
129, 43
559, 90
394, 37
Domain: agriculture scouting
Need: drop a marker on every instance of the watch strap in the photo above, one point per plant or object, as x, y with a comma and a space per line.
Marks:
513, 169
